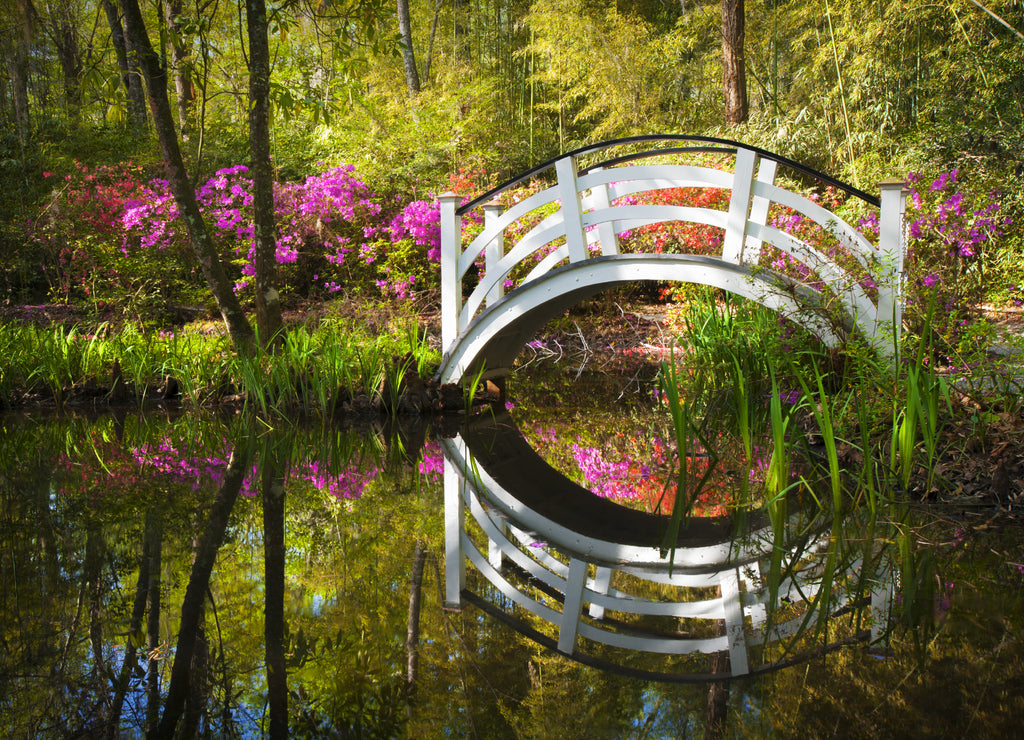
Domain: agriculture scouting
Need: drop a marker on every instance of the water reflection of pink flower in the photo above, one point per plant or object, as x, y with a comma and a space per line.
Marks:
165, 458
431, 466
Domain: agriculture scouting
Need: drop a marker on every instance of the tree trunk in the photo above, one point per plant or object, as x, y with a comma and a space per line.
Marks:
20, 70
412, 634
433, 35
130, 78
94, 576
154, 552
196, 590
181, 65
142, 587
733, 67
412, 78
268, 304
199, 681
273, 577
65, 39
184, 194
718, 700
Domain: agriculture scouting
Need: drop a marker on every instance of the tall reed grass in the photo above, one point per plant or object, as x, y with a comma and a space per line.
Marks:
310, 370
845, 443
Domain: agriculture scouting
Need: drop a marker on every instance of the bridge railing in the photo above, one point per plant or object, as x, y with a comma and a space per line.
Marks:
583, 212
718, 606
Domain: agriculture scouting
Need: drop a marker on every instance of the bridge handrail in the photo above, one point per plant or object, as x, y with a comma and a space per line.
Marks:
708, 144
743, 593
591, 215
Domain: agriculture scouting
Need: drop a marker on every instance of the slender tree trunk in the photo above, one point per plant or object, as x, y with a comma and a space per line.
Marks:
412, 78
460, 36
69, 54
184, 195
154, 552
412, 634
20, 69
94, 575
142, 588
199, 681
433, 35
268, 304
181, 65
130, 78
733, 65
274, 586
195, 593
718, 700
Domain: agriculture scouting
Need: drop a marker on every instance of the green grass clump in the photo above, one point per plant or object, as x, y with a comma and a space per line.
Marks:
313, 366
846, 437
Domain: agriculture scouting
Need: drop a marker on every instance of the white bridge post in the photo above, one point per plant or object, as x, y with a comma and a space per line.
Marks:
607, 235
494, 252
739, 206
572, 605
572, 212
451, 280
732, 619
759, 212
892, 245
454, 526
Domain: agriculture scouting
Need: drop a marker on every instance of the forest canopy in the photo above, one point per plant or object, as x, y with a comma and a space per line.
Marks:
414, 93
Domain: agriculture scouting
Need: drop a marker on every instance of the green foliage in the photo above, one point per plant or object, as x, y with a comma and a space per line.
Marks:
402, 268
317, 365
850, 438
862, 90
610, 74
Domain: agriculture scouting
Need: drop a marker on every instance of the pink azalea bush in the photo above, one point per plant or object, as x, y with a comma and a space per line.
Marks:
951, 225
110, 235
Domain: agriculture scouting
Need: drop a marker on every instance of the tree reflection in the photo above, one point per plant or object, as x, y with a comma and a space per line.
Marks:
272, 485
191, 635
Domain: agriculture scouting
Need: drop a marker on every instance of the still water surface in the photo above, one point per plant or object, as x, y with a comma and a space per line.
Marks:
329, 563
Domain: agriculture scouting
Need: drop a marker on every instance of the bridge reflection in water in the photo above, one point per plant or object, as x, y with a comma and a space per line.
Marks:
589, 578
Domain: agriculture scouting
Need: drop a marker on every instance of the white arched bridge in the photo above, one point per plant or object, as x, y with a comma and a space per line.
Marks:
553, 553
564, 243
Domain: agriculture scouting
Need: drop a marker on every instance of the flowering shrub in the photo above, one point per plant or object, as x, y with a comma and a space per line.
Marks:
80, 232
323, 223
320, 222
407, 258
110, 230
676, 237
950, 228
420, 221
171, 460
632, 474
431, 465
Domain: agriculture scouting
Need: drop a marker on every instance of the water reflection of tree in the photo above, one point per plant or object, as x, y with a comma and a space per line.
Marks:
191, 653
273, 497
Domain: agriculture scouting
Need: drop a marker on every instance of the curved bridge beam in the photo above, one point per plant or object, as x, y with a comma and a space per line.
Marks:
511, 475
492, 341
571, 559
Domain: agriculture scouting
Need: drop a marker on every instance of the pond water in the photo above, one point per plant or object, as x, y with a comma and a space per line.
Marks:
319, 550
